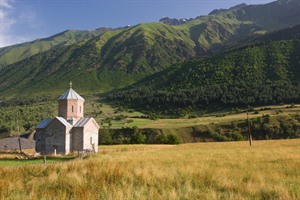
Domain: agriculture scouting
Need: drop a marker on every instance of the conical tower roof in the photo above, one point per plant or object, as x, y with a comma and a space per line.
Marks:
70, 94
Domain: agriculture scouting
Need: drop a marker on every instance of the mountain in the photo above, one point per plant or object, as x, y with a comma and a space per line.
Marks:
106, 59
19, 52
264, 71
111, 60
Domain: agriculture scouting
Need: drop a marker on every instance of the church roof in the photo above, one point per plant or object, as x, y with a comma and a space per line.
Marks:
84, 120
44, 123
70, 94
63, 121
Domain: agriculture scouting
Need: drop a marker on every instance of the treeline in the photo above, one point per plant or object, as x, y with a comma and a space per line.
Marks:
262, 128
20, 119
237, 95
25, 101
135, 136
257, 75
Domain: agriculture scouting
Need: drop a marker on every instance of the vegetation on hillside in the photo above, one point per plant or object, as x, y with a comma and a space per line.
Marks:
262, 128
16, 53
23, 116
107, 59
256, 75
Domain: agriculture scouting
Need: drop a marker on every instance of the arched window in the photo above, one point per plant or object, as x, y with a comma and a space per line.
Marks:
72, 108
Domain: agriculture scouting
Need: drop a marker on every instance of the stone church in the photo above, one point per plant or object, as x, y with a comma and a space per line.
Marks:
70, 131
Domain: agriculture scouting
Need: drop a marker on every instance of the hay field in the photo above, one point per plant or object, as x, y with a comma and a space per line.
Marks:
232, 170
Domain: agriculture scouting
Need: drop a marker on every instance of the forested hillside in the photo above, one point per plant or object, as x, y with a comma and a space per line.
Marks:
261, 74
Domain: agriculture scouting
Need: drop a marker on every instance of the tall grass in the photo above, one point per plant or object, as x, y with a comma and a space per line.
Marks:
233, 170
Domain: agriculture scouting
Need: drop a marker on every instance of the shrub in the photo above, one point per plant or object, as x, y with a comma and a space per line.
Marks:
173, 139
236, 136
137, 137
105, 137
217, 137
162, 139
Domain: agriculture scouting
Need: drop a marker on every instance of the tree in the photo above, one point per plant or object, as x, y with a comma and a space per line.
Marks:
105, 137
162, 139
137, 137
173, 139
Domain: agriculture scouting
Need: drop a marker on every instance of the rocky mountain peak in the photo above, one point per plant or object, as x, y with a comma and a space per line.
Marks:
173, 21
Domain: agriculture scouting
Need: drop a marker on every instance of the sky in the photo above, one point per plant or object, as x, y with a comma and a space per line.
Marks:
27, 20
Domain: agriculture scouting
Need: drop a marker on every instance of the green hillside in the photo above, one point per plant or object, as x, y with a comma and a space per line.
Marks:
265, 73
15, 53
106, 59
111, 60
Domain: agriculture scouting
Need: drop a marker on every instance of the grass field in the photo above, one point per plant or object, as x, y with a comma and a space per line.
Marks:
13, 158
232, 170
22, 162
212, 118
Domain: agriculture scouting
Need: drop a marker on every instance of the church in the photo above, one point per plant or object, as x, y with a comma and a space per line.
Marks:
70, 131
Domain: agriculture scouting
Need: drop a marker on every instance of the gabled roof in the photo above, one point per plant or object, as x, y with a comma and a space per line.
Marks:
70, 94
84, 120
63, 121
44, 123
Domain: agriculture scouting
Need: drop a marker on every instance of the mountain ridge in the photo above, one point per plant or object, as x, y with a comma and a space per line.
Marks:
115, 58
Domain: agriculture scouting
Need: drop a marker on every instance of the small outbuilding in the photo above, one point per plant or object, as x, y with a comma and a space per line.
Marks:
69, 131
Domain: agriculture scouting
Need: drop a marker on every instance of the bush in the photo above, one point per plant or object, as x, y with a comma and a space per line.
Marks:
236, 136
105, 137
217, 137
137, 137
173, 139
162, 139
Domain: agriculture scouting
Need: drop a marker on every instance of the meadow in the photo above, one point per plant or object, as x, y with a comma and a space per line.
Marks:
230, 170
133, 118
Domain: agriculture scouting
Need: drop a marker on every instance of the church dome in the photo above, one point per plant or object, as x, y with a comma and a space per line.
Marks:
70, 94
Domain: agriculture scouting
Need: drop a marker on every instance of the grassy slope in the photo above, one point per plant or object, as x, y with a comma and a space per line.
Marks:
111, 60
118, 58
16, 53
267, 170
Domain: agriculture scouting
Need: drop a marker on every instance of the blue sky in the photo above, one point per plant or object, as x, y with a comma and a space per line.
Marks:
27, 20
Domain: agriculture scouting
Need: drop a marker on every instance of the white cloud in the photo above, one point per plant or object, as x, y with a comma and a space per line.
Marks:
9, 20
5, 4
6, 22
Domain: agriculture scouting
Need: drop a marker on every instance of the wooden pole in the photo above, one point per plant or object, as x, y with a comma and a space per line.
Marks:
45, 160
249, 131
20, 146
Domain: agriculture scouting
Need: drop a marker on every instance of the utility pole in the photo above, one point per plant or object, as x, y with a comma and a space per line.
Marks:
18, 127
20, 144
249, 131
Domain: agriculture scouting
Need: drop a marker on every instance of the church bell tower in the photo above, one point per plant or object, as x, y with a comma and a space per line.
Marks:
70, 105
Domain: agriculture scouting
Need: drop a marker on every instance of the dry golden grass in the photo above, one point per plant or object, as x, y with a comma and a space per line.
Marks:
233, 170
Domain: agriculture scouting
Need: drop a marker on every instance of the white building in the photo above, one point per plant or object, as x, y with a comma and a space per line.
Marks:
69, 131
